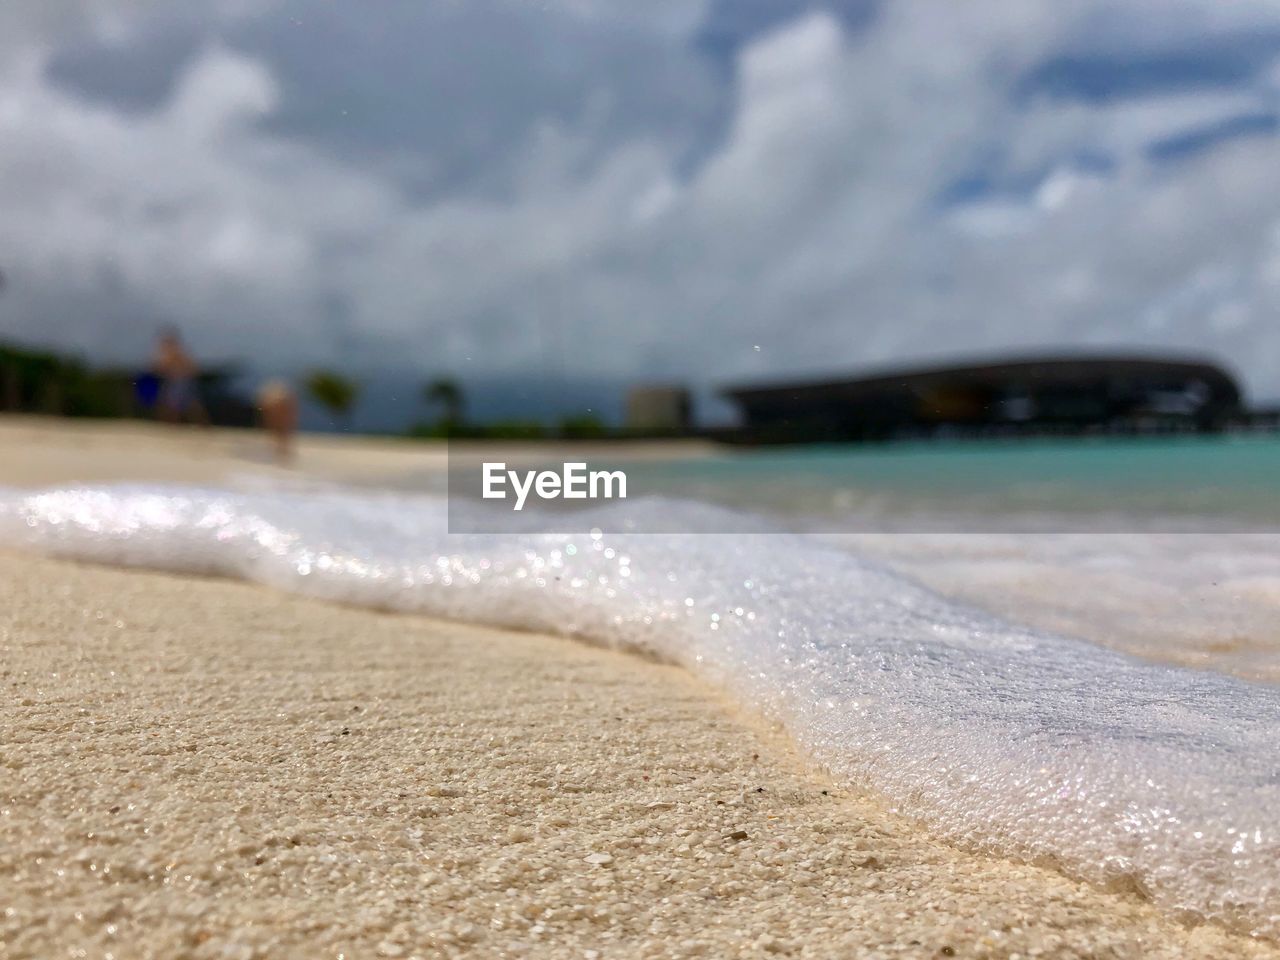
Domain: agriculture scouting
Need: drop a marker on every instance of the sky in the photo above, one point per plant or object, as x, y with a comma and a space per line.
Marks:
703, 191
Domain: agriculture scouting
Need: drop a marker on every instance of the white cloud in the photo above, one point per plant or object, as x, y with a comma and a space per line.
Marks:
219, 91
816, 229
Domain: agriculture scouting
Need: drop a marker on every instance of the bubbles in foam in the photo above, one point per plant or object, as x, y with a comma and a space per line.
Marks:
1003, 739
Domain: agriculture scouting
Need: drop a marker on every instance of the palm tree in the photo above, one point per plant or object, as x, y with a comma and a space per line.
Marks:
445, 393
333, 391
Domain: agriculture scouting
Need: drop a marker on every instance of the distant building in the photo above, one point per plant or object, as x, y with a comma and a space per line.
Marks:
1035, 395
659, 409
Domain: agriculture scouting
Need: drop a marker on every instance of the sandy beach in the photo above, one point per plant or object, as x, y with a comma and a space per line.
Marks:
43, 451
199, 768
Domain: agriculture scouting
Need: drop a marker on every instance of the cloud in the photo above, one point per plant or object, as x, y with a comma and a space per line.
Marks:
898, 185
185, 213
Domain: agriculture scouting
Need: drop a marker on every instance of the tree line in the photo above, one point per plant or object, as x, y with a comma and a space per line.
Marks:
338, 395
43, 381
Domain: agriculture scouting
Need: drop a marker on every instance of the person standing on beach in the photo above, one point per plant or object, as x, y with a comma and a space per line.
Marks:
278, 406
179, 397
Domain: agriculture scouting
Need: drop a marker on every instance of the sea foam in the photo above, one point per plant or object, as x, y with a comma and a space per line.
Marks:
999, 738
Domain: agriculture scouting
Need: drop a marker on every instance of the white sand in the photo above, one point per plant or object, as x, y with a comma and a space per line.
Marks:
40, 451
196, 768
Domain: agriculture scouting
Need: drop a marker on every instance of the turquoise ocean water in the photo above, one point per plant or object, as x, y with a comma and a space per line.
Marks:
1183, 483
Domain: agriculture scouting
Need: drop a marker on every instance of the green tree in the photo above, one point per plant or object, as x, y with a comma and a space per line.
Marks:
583, 426
445, 393
333, 391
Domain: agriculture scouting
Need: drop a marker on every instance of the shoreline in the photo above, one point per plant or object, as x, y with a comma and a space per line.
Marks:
183, 785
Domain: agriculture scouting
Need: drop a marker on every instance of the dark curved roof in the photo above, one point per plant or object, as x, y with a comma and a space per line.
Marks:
1030, 370
1025, 393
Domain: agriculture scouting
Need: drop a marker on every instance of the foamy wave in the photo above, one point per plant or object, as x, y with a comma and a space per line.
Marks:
1006, 740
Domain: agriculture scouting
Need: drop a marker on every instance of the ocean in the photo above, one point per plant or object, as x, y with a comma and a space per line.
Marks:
1180, 483
1089, 690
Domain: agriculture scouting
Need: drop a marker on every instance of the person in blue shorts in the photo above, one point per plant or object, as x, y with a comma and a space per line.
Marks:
178, 399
